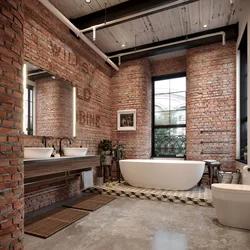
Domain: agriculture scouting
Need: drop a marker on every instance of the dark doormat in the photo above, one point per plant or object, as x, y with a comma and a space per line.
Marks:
47, 224
91, 203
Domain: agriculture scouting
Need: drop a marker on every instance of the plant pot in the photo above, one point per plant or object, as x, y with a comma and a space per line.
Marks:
99, 181
107, 160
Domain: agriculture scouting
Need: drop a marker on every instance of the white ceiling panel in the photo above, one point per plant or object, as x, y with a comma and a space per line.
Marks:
161, 26
77, 8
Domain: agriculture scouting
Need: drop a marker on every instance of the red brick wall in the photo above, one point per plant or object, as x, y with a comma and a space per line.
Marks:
11, 143
211, 93
131, 89
54, 108
168, 66
49, 45
52, 192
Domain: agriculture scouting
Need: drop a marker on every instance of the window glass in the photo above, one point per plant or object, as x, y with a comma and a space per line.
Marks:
169, 117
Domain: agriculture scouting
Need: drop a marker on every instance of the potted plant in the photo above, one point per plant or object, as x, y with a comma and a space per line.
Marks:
105, 149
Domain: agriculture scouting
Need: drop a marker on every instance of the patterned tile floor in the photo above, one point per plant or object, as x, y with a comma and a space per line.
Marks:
201, 196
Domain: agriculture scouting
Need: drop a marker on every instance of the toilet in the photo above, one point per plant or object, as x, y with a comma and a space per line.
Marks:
232, 202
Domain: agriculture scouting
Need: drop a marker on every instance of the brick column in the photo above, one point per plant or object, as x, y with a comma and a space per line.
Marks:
11, 142
211, 81
132, 89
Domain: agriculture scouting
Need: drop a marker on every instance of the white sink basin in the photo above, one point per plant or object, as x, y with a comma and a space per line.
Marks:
37, 153
75, 151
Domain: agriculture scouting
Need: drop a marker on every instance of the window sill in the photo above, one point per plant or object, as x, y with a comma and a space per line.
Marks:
242, 161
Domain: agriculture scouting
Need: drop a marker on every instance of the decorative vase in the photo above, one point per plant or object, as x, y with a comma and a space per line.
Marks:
99, 181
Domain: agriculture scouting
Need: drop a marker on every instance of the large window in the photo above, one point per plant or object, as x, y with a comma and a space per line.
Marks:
169, 116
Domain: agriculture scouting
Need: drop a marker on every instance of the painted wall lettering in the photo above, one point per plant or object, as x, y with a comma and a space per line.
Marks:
72, 59
55, 49
87, 94
88, 119
85, 68
83, 94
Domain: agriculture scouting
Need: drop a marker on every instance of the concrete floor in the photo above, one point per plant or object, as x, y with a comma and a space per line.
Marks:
133, 224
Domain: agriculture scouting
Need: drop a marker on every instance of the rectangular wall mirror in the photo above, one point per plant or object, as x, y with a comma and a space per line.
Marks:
49, 106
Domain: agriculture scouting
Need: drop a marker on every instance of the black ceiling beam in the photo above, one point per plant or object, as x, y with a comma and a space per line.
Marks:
231, 34
124, 10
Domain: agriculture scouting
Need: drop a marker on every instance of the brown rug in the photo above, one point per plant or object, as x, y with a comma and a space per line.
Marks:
91, 203
47, 224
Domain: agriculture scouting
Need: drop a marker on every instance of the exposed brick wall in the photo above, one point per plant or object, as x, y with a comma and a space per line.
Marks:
131, 89
52, 192
54, 107
11, 141
49, 45
211, 100
168, 66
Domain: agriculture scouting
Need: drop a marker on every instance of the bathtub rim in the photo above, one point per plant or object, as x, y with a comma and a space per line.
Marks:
162, 161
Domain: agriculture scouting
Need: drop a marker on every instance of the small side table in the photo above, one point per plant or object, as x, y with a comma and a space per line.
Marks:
211, 165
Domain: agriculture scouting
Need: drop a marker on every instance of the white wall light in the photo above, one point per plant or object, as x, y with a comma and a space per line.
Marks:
74, 111
24, 96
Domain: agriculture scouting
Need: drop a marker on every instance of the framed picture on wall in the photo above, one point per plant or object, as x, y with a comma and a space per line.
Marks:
126, 120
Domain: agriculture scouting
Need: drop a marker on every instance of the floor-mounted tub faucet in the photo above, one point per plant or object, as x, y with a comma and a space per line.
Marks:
60, 144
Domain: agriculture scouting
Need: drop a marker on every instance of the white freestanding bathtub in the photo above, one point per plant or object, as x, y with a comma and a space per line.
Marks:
162, 174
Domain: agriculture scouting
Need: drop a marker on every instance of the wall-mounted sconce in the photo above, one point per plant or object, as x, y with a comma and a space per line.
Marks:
74, 111
88, 1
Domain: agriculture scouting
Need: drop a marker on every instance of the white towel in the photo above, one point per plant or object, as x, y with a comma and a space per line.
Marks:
87, 179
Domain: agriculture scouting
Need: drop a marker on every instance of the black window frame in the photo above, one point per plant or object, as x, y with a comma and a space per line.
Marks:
243, 48
158, 78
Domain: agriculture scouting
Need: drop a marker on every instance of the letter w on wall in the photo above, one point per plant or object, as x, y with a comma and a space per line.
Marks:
55, 49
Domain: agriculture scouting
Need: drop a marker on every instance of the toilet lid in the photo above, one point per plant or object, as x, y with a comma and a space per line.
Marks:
233, 188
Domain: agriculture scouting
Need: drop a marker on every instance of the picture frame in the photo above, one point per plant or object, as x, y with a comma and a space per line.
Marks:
126, 120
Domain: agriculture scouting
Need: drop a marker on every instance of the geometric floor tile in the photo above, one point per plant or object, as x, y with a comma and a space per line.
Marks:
198, 195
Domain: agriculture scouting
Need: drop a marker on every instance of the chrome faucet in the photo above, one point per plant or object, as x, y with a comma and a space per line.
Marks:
44, 141
60, 147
